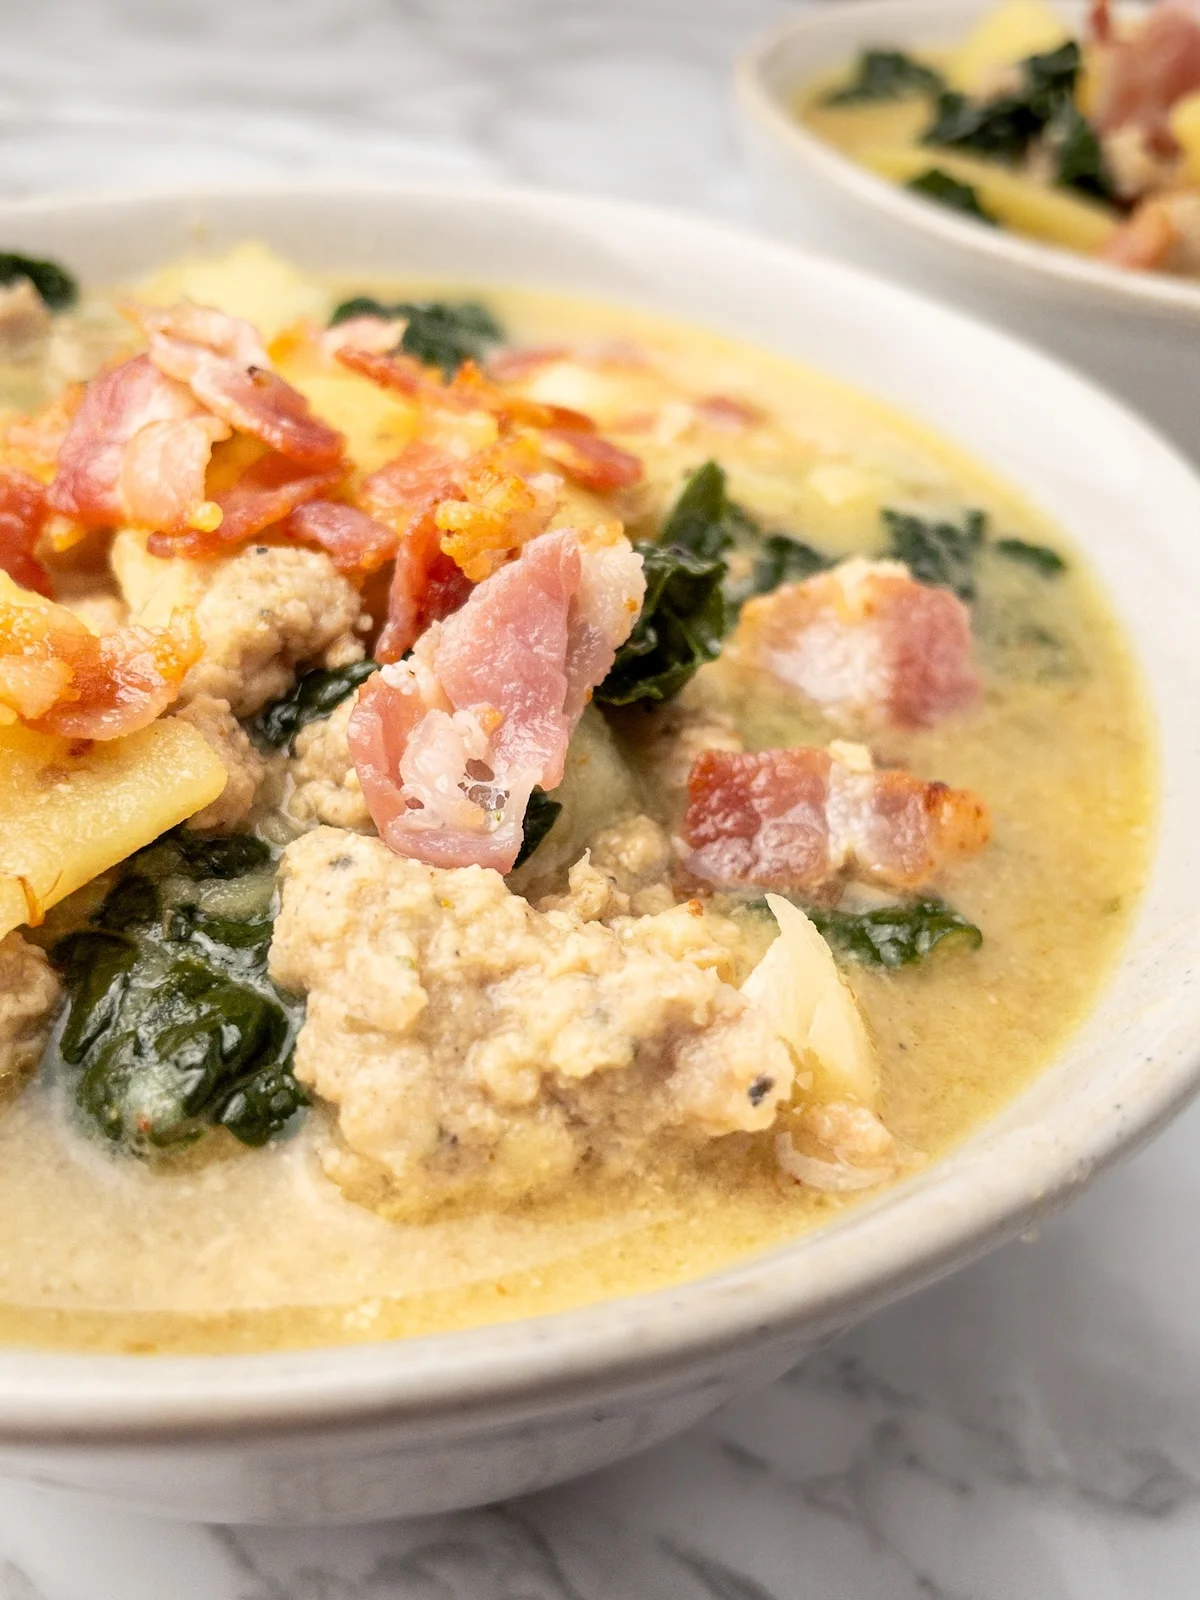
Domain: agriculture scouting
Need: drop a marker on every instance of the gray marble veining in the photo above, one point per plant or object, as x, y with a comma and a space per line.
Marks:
1029, 1430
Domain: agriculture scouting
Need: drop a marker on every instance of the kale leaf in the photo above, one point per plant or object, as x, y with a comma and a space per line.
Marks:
704, 521
934, 184
1038, 556
541, 814
55, 284
885, 75
680, 627
895, 936
1004, 126
312, 697
780, 559
938, 552
172, 1023
440, 333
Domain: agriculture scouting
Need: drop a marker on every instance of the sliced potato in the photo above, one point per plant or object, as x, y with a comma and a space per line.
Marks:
799, 988
377, 424
1184, 122
1014, 30
250, 281
153, 586
71, 809
1017, 202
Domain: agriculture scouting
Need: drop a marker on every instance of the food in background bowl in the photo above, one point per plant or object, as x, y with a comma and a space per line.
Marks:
506, 802
1090, 143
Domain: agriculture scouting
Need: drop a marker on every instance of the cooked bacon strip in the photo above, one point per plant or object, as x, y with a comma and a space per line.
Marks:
403, 496
1139, 78
502, 499
515, 364
375, 334
355, 543
449, 744
590, 460
135, 452
59, 677
802, 818
22, 513
223, 362
266, 493
866, 643
727, 413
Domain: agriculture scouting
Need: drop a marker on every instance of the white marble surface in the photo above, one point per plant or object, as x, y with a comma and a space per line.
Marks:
1029, 1430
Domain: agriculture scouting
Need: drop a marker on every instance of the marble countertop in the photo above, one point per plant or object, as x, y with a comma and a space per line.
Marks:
1029, 1430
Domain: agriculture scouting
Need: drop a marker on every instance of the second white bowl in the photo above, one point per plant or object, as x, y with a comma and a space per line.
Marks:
1139, 332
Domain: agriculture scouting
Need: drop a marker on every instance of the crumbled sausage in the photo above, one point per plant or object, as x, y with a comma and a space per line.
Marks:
247, 769
29, 996
324, 786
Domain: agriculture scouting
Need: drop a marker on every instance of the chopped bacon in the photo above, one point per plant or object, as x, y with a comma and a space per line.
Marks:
502, 499
59, 677
108, 475
223, 362
728, 414
267, 492
590, 460
866, 643
522, 361
354, 542
449, 744
403, 496
800, 819
375, 334
22, 513
1139, 78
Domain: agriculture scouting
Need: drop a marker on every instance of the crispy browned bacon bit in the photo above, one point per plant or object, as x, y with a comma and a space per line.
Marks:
728, 414
589, 460
59, 677
135, 452
268, 490
449, 744
403, 496
222, 361
22, 513
804, 818
355, 543
1140, 77
866, 643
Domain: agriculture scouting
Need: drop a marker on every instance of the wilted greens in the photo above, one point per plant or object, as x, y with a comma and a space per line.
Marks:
1038, 556
895, 936
936, 551
312, 697
441, 333
885, 75
54, 283
934, 184
680, 627
172, 1025
541, 813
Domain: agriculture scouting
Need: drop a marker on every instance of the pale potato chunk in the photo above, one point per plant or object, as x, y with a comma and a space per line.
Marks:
250, 281
71, 810
1013, 31
798, 987
1184, 122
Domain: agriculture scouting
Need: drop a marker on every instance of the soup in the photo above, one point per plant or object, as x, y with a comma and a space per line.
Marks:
1090, 144
507, 802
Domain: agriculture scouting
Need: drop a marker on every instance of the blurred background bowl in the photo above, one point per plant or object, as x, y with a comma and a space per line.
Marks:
1138, 332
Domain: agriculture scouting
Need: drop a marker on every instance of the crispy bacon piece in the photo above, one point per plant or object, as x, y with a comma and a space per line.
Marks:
590, 460
403, 496
449, 744
866, 643
501, 500
266, 493
59, 677
727, 413
1139, 78
371, 333
519, 362
22, 513
135, 451
803, 818
355, 543
223, 362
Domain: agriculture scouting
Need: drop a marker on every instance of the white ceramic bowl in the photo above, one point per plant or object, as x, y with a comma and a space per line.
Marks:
374, 1430
1139, 332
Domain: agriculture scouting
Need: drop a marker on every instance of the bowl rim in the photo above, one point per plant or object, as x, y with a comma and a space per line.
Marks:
813, 1284
994, 248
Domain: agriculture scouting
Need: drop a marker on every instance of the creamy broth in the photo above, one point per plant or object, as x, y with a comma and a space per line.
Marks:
232, 1248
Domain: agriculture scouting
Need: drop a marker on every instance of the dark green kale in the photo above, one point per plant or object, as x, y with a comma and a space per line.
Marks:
541, 814
934, 184
885, 75
311, 698
55, 284
781, 559
938, 552
1038, 556
441, 333
172, 1024
680, 627
1078, 160
895, 936
704, 521
1005, 126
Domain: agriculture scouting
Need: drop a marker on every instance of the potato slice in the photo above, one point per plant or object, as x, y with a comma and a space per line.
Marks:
1184, 122
249, 281
798, 987
1018, 203
71, 809
1001, 38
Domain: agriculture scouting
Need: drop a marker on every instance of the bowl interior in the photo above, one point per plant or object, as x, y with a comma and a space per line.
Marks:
1119, 491
777, 67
